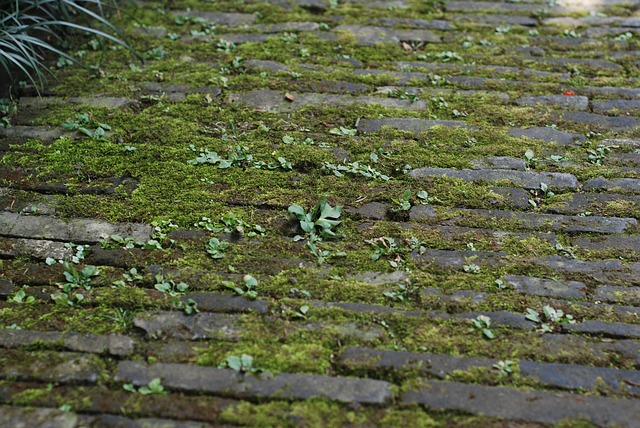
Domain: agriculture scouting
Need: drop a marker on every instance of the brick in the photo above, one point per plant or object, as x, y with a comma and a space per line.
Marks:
436, 24
575, 103
490, 20
622, 107
177, 325
615, 122
222, 18
502, 319
498, 162
549, 135
76, 230
602, 271
608, 243
368, 126
569, 376
41, 132
24, 417
227, 382
607, 329
275, 101
524, 405
624, 184
63, 367
220, 302
380, 278
368, 35
91, 343
625, 295
547, 287
526, 179
436, 365
36, 248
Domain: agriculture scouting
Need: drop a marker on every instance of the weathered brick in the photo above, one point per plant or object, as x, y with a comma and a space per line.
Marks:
615, 122
112, 344
524, 405
177, 325
624, 184
526, 179
550, 135
610, 293
230, 383
25, 417
575, 103
220, 302
63, 367
223, 18
547, 287
498, 162
607, 329
405, 124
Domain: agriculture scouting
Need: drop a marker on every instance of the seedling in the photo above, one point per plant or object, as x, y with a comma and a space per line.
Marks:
471, 268
597, 155
249, 291
169, 286
8, 108
354, 168
154, 387
216, 248
231, 222
241, 364
404, 201
343, 131
402, 94
530, 159
504, 367
500, 284
319, 222
567, 252
20, 296
117, 241
77, 279
130, 276
404, 293
83, 122
482, 323
237, 157
549, 318
541, 195
300, 313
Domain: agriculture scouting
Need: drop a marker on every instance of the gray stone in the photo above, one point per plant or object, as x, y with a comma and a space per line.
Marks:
436, 24
433, 364
63, 367
602, 271
624, 184
286, 386
516, 197
498, 162
562, 64
526, 179
275, 101
366, 309
607, 329
457, 259
41, 132
368, 35
334, 87
485, 6
287, 26
266, 64
622, 142
373, 211
6, 288
177, 325
111, 344
608, 243
76, 230
379, 278
574, 103
578, 203
220, 302
627, 160
368, 126
608, 92
625, 295
231, 19
547, 287
347, 330
490, 20
26, 417
100, 102
36, 248
524, 405
549, 135
623, 107
422, 213
615, 122
502, 319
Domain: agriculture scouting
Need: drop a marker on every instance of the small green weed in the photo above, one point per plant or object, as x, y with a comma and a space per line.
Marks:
241, 364
249, 291
83, 122
549, 319
154, 387
216, 248
482, 323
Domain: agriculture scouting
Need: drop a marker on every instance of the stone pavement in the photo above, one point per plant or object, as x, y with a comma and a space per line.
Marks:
484, 269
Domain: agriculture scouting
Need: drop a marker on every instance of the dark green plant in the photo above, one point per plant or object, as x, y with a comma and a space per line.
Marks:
32, 29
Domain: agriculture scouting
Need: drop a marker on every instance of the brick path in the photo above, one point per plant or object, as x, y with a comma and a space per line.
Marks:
507, 295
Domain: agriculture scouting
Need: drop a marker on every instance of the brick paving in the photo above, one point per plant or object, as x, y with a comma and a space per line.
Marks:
486, 271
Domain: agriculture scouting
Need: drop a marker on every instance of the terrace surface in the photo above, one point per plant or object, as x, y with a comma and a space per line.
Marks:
162, 263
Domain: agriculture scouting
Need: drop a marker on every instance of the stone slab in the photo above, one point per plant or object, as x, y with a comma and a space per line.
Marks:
91, 343
222, 18
622, 107
524, 405
46, 366
76, 230
177, 325
614, 122
499, 162
570, 376
415, 125
369, 35
525, 179
36, 248
220, 302
614, 294
547, 287
624, 184
227, 382
575, 103
275, 101
25, 417
549, 135
607, 329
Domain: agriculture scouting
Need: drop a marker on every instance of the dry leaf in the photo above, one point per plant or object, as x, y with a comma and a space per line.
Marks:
289, 97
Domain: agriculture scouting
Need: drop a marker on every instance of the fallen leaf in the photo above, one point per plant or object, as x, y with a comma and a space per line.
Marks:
569, 93
289, 97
